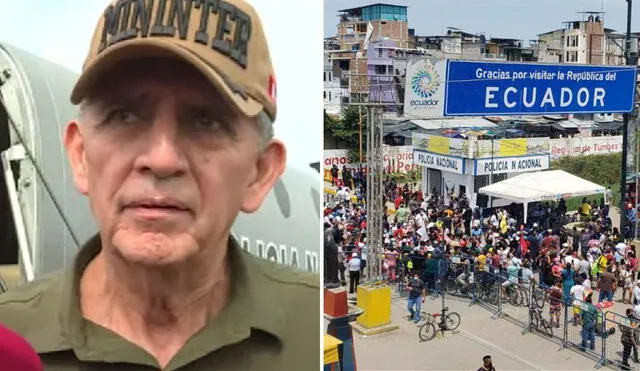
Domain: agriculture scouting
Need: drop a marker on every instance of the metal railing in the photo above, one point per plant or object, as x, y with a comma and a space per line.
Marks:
576, 325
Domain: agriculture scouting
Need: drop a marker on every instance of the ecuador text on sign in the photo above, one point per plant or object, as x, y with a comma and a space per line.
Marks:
437, 161
481, 88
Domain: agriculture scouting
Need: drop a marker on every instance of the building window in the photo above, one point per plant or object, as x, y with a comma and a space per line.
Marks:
480, 181
380, 70
573, 56
325, 94
499, 177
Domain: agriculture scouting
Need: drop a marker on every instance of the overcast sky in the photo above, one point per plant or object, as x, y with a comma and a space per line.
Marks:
518, 19
60, 30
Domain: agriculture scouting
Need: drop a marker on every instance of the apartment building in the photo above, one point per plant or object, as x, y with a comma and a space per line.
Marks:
388, 21
586, 41
348, 71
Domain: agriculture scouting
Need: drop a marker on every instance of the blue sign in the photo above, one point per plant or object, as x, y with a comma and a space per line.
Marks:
492, 88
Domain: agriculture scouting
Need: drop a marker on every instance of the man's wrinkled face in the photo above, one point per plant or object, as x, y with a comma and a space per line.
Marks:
166, 162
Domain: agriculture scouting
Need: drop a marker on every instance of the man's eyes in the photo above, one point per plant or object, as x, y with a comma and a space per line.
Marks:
194, 120
121, 115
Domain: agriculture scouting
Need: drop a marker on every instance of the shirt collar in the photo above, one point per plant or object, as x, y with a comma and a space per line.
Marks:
237, 320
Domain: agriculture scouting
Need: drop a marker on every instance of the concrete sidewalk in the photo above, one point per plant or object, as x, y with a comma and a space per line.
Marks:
478, 335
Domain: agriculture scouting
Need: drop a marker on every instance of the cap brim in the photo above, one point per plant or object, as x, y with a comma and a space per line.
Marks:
142, 48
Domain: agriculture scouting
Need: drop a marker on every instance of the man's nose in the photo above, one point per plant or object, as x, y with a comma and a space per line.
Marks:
163, 154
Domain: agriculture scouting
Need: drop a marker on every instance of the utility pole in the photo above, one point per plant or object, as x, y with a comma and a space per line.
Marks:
360, 139
372, 106
625, 129
375, 191
637, 172
491, 175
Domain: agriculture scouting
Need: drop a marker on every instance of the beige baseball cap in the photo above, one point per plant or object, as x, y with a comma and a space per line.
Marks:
223, 39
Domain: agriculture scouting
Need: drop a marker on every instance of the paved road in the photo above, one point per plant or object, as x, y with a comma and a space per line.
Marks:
479, 335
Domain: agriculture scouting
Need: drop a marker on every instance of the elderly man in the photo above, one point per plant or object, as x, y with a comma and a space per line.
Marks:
173, 140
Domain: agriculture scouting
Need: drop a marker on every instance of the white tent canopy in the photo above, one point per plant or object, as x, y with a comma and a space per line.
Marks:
541, 186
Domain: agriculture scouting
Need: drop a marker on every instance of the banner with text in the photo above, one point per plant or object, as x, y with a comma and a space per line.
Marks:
497, 88
486, 166
456, 147
510, 147
439, 162
397, 159
437, 88
572, 147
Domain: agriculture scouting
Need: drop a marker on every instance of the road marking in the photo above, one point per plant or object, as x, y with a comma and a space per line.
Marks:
500, 349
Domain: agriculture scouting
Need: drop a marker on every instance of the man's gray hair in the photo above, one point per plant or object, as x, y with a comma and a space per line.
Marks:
265, 127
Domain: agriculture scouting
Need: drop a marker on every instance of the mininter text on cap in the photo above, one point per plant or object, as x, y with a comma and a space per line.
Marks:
223, 39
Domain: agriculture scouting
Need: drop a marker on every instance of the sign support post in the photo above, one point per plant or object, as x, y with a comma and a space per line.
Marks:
625, 131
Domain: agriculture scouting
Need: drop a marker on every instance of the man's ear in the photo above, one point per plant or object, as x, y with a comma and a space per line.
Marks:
270, 165
74, 144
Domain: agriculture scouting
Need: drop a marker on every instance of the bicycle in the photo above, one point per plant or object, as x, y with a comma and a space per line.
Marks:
514, 295
540, 297
488, 291
538, 320
448, 322
455, 287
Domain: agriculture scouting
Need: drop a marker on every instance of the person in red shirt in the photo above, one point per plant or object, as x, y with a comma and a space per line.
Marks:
547, 240
398, 201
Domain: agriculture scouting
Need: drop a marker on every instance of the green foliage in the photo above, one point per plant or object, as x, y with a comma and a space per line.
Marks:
600, 169
573, 204
413, 176
346, 129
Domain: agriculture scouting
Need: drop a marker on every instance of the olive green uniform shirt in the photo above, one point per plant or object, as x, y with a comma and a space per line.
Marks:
272, 322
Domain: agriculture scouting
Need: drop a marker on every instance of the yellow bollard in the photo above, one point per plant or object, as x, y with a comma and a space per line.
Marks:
376, 303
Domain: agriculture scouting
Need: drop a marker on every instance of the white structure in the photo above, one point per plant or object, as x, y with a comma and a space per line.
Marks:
542, 186
334, 96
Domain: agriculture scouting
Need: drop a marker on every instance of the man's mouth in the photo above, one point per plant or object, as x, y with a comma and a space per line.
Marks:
159, 204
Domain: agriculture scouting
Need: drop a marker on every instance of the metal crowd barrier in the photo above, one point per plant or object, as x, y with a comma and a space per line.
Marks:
580, 326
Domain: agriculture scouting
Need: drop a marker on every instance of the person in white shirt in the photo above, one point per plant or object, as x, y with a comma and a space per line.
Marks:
621, 248
583, 266
527, 279
515, 260
635, 296
419, 221
577, 293
625, 276
586, 283
354, 272
364, 251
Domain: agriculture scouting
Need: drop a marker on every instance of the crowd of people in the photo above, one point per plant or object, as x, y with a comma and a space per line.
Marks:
424, 234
